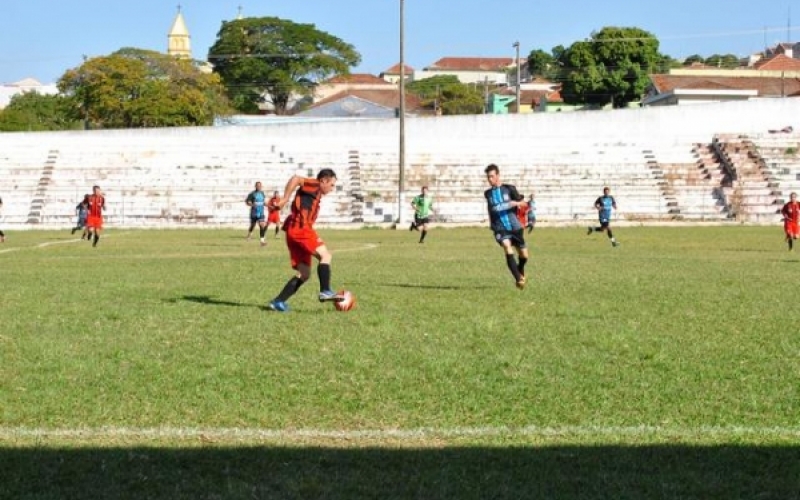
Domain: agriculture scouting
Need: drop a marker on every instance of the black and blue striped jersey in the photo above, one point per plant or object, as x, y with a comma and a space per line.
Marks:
502, 216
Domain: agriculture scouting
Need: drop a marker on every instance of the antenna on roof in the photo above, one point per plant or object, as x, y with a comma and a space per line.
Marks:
789, 25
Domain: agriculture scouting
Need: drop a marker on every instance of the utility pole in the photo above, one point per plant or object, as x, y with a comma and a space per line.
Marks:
516, 46
401, 184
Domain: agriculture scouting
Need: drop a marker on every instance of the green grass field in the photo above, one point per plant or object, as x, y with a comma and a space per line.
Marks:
148, 367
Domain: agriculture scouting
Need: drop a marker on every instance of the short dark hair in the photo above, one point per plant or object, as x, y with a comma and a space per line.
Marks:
326, 173
95, 187
491, 168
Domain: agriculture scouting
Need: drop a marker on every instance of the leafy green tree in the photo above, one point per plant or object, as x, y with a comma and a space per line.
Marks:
141, 88
692, 59
32, 111
728, 61
448, 94
542, 64
272, 59
611, 67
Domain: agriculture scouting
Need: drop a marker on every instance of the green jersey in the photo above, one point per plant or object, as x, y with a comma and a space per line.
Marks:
422, 206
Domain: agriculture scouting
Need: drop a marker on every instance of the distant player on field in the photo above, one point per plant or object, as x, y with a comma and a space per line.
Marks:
531, 213
604, 205
302, 240
94, 217
255, 200
422, 205
82, 211
2, 234
791, 220
503, 201
274, 212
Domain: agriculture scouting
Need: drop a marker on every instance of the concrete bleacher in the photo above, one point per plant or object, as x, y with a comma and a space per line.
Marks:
657, 162
781, 155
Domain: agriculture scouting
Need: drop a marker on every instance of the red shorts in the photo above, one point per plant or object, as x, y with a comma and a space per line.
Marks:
791, 229
274, 218
303, 244
94, 222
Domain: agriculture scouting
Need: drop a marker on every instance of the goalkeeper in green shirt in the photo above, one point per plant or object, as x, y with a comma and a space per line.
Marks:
422, 205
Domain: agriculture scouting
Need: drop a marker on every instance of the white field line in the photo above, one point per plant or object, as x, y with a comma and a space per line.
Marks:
247, 434
366, 246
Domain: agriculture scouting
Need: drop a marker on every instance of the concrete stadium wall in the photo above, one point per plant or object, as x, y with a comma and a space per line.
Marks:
483, 137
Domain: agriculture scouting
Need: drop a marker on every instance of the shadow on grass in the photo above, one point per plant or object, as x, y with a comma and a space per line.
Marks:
574, 472
209, 301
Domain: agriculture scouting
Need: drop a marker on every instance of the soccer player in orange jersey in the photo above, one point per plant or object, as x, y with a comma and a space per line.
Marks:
301, 238
791, 220
94, 219
274, 208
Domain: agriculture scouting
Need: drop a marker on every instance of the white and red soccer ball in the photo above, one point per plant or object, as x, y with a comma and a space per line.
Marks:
347, 303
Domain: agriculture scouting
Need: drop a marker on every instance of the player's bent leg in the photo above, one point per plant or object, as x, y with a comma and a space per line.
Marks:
324, 274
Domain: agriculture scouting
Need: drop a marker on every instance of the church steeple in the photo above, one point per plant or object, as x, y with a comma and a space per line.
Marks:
179, 41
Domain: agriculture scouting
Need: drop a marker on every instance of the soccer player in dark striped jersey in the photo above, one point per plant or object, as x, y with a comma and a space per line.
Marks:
604, 205
502, 201
302, 240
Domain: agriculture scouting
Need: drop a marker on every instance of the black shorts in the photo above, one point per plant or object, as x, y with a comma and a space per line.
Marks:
421, 220
517, 238
604, 223
255, 218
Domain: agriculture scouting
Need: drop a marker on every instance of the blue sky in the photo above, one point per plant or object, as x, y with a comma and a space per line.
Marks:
44, 38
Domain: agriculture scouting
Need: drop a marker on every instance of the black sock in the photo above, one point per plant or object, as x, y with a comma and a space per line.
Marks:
262, 232
512, 266
521, 265
2, 234
277, 229
289, 289
791, 241
610, 235
324, 274
96, 238
424, 233
252, 226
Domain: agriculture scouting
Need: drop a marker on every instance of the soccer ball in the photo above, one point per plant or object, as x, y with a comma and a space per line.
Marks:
348, 303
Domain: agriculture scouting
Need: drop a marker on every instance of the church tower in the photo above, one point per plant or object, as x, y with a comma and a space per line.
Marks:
179, 42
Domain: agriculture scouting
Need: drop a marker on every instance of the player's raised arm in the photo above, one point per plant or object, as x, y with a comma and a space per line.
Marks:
295, 182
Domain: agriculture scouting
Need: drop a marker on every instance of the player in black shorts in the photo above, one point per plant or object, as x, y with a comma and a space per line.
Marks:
502, 201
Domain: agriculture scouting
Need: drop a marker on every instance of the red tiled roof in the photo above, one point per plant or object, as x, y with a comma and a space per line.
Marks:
780, 62
767, 86
472, 63
388, 98
395, 70
357, 78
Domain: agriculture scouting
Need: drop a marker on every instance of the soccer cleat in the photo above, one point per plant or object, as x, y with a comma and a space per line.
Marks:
590, 230
277, 305
330, 296
615, 243
263, 242
521, 282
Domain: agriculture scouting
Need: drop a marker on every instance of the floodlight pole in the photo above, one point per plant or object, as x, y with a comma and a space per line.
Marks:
401, 184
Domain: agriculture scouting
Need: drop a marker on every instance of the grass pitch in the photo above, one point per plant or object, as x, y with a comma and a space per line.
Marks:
148, 367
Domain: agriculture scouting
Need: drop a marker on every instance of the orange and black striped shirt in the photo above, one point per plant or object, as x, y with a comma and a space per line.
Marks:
96, 205
305, 206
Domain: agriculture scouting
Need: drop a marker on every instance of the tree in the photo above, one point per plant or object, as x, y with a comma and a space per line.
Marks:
142, 88
728, 61
271, 59
31, 111
611, 67
540, 63
692, 59
447, 93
